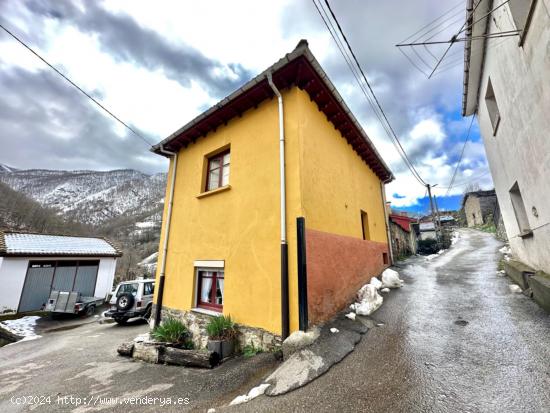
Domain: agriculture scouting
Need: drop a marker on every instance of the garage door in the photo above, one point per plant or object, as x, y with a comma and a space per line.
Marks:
44, 276
36, 290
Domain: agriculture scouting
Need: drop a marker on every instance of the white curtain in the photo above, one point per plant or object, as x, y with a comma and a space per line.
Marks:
206, 288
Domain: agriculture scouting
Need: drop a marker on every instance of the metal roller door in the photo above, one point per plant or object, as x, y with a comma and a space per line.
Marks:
37, 286
86, 277
45, 276
63, 279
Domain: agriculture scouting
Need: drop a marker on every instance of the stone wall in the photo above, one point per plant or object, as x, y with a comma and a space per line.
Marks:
196, 323
403, 243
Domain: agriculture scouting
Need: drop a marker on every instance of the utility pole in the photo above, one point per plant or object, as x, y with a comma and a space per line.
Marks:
429, 187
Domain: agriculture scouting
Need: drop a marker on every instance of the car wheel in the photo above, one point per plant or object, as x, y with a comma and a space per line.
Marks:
124, 302
121, 320
90, 311
147, 314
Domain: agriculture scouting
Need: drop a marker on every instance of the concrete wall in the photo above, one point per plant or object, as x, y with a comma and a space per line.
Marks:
12, 277
240, 225
519, 151
326, 182
14, 269
337, 266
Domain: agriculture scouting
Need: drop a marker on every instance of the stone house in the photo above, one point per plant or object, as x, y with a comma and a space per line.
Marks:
506, 84
403, 236
479, 207
275, 206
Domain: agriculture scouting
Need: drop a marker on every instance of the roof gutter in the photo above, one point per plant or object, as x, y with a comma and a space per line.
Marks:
160, 294
467, 51
285, 327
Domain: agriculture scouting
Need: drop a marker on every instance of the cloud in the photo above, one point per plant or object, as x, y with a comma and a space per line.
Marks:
124, 39
157, 65
61, 130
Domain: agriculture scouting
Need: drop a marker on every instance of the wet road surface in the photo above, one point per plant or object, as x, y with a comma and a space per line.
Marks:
454, 339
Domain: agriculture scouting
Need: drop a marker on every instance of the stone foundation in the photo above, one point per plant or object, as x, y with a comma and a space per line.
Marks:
196, 323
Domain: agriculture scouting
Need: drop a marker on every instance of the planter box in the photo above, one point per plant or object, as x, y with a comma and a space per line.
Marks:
225, 348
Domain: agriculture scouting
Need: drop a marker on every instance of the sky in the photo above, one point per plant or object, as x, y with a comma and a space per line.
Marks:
157, 65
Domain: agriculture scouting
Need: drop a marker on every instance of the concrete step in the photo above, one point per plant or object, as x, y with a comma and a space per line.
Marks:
540, 285
519, 272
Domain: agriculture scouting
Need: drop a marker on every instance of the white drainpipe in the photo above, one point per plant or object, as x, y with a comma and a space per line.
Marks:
166, 233
281, 157
284, 248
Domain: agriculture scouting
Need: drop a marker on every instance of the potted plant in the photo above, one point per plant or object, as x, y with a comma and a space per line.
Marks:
173, 333
221, 334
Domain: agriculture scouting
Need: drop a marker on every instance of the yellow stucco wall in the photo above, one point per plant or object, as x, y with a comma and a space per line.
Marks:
242, 225
336, 182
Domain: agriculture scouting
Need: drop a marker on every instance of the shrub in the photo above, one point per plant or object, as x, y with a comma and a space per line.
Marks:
172, 330
427, 246
250, 350
221, 328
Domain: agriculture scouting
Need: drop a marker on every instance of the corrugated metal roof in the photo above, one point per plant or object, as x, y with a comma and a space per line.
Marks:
427, 226
25, 244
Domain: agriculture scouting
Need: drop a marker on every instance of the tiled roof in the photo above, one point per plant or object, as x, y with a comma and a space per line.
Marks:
26, 244
298, 68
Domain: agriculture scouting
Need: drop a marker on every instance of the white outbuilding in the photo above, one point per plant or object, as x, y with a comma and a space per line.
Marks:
32, 265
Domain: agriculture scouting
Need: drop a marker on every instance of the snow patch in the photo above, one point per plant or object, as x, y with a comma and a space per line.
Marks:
334, 330
351, 316
23, 327
369, 300
390, 279
514, 288
252, 394
385, 290
376, 283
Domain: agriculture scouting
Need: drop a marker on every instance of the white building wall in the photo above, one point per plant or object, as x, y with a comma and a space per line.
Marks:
519, 151
105, 276
12, 277
14, 269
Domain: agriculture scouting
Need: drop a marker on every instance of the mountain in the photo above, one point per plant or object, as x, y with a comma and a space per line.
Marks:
91, 197
123, 205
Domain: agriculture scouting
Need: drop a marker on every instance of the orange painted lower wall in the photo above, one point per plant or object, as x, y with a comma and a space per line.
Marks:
337, 266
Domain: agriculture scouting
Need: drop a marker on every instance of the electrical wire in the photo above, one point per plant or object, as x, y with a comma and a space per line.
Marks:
75, 85
461, 155
395, 137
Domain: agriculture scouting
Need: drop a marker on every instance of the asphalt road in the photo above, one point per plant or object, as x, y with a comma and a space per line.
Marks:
454, 339
65, 369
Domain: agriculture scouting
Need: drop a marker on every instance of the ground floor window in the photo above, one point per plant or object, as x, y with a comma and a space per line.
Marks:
210, 289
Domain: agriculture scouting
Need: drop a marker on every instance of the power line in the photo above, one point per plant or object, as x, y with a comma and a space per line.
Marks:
331, 29
76, 86
461, 155
402, 152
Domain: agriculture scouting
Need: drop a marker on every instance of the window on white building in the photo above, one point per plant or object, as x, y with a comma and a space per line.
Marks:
492, 107
519, 210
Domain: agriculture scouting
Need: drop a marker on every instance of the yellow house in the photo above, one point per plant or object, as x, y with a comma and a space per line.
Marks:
274, 208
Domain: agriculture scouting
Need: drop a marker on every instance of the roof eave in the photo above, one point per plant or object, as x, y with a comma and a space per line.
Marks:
474, 55
302, 51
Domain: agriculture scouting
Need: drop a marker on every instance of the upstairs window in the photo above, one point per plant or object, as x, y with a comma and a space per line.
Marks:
519, 210
218, 171
492, 107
